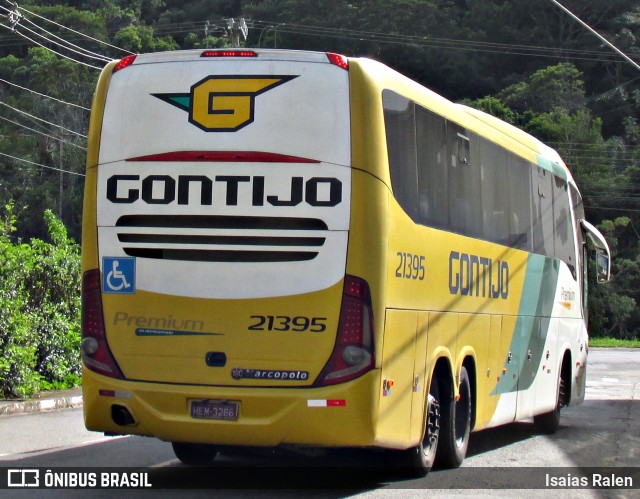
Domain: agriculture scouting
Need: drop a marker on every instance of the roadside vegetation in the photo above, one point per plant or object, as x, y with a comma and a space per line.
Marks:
608, 342
40, 304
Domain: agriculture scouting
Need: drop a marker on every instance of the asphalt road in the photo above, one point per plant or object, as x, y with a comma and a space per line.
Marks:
599, 437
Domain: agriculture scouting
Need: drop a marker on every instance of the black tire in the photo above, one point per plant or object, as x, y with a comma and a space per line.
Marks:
549, 422
194, 454
455, 425
418, 461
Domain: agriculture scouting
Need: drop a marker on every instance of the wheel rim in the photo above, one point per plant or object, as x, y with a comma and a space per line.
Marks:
562, 393
433, 426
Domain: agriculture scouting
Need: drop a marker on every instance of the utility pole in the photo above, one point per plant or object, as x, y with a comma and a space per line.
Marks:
60, 184
236, 29
14, 16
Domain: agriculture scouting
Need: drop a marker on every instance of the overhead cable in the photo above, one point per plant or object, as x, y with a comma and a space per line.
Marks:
51, 50
59, 139
76, 32
66, 44
444, 43
41, 165
42, 120
600, 37
44, 95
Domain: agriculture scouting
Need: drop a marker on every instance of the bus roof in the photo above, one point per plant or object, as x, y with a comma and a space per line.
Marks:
204, 54
548, 157
494, 129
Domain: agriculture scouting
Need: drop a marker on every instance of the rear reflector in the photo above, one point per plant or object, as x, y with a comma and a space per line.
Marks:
229, 53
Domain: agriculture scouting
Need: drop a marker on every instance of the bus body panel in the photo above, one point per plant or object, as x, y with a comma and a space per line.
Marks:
184, 105
212, 208
340, 415
170, 344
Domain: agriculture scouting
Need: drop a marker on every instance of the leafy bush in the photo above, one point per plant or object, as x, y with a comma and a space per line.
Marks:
40, 303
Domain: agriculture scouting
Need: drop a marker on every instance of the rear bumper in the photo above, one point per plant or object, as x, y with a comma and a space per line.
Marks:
336, 416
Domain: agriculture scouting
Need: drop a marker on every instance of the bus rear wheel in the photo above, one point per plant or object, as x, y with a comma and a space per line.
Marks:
455, 424
194, 454
418, 461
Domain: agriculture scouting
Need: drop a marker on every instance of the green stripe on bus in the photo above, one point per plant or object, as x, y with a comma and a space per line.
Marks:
532, 325
549, 165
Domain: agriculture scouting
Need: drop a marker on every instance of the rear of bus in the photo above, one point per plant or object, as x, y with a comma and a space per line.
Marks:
218, 303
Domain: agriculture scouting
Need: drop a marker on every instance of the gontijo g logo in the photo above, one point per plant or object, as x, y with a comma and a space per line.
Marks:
223, 103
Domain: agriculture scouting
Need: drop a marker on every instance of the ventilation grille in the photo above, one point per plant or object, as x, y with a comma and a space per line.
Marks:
221, 238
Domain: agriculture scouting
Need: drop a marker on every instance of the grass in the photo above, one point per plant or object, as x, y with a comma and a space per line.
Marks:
613, 343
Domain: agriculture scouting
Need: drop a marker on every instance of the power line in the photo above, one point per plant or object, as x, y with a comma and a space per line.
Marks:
600, 37
42, 133
44, 95
443, 43
76, 32
50, 50
62, 42
42, 166
42, 120
66, 45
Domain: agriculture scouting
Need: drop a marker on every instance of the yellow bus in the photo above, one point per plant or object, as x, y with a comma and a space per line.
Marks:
287, 248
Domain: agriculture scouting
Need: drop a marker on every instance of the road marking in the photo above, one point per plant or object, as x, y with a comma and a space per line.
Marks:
41, 452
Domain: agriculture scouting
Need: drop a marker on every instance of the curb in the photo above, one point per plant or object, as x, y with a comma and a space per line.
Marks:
47, 401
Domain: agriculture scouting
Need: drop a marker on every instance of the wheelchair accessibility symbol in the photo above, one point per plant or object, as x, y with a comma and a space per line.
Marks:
118, 275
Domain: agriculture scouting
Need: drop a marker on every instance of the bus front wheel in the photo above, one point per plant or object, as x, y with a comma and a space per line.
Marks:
549, 422
194, 454
455, 424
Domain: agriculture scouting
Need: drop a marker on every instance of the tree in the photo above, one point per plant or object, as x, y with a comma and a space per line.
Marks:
40, 300
141, 39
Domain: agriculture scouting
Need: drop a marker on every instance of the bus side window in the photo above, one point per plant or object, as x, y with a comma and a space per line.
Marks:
564, 242
464, 183
519, 181
433, 183
399, 120
495, 193
542, 210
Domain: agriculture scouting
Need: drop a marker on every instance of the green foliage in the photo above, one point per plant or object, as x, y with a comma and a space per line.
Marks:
40, 302
554, 87
609, 342
494, 106
141, 39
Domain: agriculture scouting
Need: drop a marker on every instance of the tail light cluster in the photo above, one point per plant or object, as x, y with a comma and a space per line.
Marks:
124, 62
353, 353
95, 349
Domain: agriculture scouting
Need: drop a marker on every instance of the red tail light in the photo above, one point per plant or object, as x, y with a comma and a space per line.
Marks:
229, 53
95, 350
124, 62
338, 59
353, 353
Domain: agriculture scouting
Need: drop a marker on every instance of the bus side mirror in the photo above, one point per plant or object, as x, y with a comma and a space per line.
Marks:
603, 266
603, 255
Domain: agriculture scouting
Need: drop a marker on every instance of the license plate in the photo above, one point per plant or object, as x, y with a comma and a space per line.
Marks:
214, 409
